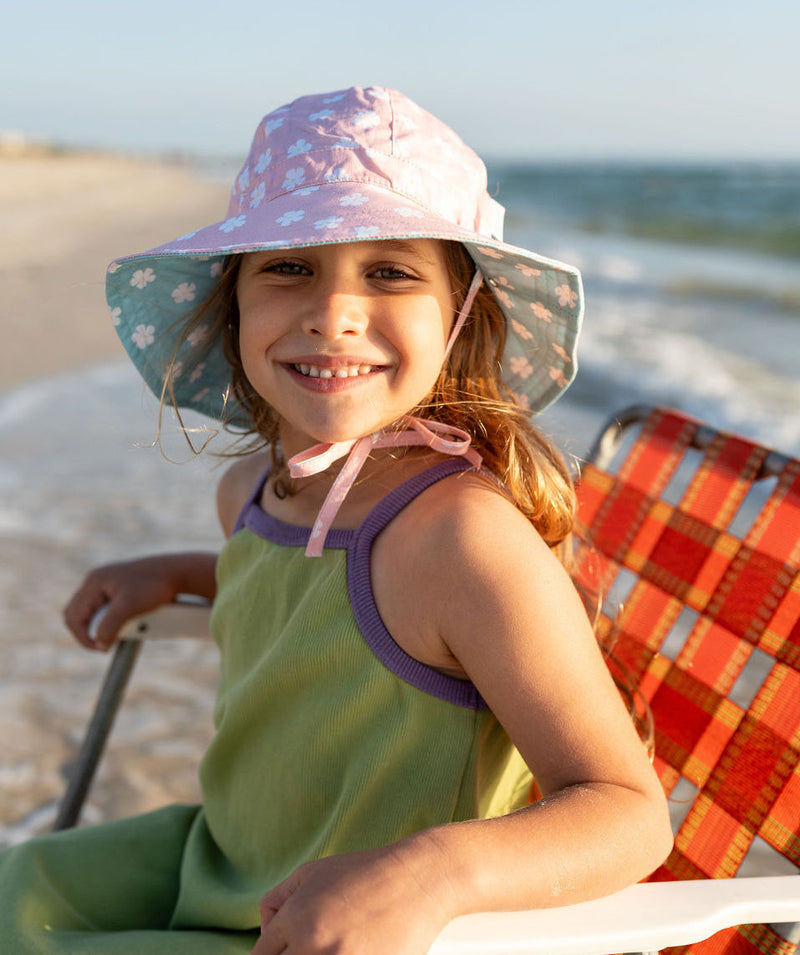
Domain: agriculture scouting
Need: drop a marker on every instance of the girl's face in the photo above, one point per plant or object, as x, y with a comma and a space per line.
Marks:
342, 340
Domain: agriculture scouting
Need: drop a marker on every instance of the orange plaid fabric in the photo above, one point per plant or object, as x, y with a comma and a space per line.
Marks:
704, 555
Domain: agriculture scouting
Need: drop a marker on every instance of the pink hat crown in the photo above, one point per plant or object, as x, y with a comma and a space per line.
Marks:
373, 136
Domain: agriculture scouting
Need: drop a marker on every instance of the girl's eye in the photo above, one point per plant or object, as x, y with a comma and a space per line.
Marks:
391, 272
286, 268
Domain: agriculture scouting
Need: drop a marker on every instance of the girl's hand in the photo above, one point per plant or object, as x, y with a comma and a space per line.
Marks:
133, 587
383, 900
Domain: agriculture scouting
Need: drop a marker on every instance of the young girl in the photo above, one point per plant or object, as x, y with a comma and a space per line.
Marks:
401, 648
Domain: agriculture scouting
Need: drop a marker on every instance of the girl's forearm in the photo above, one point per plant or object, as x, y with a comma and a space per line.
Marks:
131, 587
582, 842
191, 572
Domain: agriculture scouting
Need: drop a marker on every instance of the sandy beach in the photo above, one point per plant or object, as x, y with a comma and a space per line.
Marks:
62, 219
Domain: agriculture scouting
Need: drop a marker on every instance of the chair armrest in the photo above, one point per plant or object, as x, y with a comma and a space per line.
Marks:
642, 918
187, 617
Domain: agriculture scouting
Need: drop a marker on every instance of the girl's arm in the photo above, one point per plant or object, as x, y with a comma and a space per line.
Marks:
132, 587
510, 615
482, 586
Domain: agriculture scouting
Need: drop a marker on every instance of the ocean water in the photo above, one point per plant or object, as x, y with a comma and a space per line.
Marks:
692, 279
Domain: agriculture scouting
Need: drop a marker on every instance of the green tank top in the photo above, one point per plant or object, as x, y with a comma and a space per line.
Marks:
329, 737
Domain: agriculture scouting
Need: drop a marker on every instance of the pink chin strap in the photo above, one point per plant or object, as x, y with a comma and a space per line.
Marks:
412, 431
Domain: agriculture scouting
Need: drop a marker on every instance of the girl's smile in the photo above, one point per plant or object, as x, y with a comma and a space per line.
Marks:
344, 339
329, 375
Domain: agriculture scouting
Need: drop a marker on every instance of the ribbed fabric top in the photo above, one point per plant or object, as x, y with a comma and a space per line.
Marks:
358, 544
330, 738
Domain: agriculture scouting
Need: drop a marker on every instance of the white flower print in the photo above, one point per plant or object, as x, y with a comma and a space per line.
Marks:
143, 336
307, 191
290, 217
177, 369
141, 278
335, 175
197, 336
322, 114
410, 213
257, 195
333, 99
346, 142
298, 148
331, 222
356, 199
294, 178
114, 267
521, 366
244, 179
263, 161
566, 296
116, 316
197, 371
189, 235
367, 119
184, 292
365, 231
200, 395
216, 270
521, 330
542, 313
272, 124
234, 223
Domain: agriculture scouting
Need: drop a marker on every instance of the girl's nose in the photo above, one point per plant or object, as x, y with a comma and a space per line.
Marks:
336, 313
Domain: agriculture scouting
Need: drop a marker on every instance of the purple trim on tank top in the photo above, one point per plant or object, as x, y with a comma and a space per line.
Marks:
359, 583
358, 544
254, 518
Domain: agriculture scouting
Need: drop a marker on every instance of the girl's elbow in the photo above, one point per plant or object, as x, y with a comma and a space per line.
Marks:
661, 839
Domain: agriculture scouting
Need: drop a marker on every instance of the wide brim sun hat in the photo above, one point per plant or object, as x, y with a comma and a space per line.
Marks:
342, 167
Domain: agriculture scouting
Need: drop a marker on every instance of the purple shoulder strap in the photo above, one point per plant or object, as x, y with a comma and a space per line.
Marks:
359, 583
255, 494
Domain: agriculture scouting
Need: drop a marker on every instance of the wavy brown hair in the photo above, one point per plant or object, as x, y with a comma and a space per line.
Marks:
469, 394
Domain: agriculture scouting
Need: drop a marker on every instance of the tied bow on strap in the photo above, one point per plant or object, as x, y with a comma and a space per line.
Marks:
417, 431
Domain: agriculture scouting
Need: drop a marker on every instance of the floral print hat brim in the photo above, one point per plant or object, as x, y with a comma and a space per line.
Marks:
342, 167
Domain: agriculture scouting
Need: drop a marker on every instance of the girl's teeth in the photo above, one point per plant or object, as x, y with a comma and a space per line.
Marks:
314, 371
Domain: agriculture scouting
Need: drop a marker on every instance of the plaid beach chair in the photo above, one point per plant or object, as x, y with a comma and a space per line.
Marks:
696, 534
695, 549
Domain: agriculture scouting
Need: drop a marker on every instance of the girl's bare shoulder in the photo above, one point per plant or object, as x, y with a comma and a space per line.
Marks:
459, 546
236, 485
460, 514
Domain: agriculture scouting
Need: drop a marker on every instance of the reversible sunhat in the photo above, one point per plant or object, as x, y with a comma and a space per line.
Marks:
342, 167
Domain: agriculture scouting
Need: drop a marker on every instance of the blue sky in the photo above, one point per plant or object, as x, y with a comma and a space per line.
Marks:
662, 79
